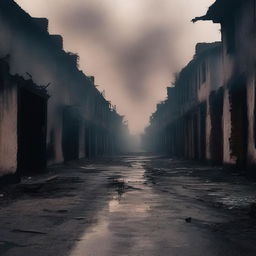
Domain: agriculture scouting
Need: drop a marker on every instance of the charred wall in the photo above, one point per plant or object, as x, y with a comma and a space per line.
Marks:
8, 122
74, 101
216, 135
184, 125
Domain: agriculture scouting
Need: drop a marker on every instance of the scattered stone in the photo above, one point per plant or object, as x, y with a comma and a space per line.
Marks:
1, 195
188, 220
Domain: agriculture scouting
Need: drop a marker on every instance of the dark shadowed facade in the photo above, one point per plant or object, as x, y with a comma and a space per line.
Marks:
215, 120
50, 110
182, 124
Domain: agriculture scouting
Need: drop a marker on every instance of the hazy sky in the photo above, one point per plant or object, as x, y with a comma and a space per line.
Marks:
132, 47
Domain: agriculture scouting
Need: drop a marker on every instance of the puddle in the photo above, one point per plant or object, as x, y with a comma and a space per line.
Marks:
127, 204
89, 167
94, 243
117, 206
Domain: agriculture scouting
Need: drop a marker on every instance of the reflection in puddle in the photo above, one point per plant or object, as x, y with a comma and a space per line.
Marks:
94, 243
129, 204
88, 167
117, 206
114, 205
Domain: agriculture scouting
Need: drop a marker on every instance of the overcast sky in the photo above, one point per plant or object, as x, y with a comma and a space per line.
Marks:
132, 47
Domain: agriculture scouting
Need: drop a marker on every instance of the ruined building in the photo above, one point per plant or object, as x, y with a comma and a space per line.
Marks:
183, 124
210, 113
50, 111
238, 26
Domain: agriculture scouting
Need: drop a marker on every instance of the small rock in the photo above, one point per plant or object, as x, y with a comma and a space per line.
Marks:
188, 220
1, 195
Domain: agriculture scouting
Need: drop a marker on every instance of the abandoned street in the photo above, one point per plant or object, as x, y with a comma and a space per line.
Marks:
129, 205
126, 130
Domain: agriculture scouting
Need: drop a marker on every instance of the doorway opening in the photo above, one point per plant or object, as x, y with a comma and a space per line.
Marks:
70, 134
216, 138
202, 131
32, 123
239, 122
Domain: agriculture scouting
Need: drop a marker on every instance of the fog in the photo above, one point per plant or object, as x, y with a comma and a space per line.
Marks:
132, 47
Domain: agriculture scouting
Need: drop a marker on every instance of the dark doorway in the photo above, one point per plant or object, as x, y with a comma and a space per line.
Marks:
93, 141
32, 123
70, 134
195, 139
216, 137
88, 139
239, 122
202, 123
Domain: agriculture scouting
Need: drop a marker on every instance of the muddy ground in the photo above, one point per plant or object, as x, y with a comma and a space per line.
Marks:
129, 205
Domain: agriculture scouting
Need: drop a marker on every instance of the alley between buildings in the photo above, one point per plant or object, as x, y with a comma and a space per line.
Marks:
69, 184
129, 205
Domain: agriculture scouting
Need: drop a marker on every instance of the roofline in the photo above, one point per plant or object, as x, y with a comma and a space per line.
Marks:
219, 10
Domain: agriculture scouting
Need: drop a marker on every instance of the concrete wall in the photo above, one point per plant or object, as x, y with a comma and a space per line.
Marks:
230, 83
245, 63
227, 158
251, 117
240, 62
8, 122
214, 81
182, 125
34, 54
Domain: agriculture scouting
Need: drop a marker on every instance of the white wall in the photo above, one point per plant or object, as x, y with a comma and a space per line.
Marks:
8, 128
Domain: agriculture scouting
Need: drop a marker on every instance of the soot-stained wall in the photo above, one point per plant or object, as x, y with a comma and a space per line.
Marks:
184, 125
73, 103
8, 122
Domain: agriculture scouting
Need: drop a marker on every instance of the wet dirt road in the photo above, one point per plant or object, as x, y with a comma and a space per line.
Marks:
131, 205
